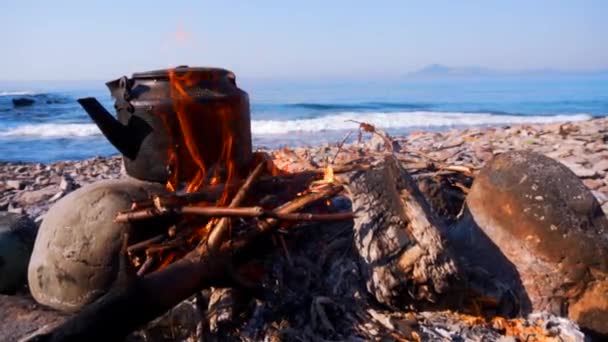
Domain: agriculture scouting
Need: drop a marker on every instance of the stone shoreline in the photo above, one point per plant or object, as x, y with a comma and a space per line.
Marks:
32, 188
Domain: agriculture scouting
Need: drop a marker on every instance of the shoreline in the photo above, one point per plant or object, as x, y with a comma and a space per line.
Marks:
32, 188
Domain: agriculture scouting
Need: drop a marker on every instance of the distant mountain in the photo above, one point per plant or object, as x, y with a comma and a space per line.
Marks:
443, 71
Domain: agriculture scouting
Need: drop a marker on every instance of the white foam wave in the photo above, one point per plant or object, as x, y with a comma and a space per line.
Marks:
401, 120
336, 122
16, 93
51, 130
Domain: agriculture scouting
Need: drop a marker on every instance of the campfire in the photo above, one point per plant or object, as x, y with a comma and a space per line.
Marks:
217, 189
357, 244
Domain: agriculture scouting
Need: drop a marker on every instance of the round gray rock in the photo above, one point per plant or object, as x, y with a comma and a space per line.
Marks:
550, 226
17, 234
75, 257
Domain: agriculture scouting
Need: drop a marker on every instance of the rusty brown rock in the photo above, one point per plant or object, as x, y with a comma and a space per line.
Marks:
551, 227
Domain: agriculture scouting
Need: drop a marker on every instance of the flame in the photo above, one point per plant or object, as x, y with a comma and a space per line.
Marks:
328, 174
188, 157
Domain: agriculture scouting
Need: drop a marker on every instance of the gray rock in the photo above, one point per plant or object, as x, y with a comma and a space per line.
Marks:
602, 165
67, 184
15, 210
593, 183
36, 196
75, 255
15, 184
17, 234
23, 102
57, 196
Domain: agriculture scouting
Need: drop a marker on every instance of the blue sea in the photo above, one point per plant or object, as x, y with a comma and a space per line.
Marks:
296, 113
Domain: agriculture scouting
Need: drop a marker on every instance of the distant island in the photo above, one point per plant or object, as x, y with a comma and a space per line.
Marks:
443, 71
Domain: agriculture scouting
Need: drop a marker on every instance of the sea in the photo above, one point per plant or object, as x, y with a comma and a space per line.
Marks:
308, 112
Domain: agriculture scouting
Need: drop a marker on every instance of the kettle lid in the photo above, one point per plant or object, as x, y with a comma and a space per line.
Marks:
202, 73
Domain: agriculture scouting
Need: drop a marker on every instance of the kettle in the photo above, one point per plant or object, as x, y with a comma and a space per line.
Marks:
153, 109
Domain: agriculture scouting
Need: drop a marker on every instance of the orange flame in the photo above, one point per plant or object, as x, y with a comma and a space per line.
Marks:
187, 156
328, 174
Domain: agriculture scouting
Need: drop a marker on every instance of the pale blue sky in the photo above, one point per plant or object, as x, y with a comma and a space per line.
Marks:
70, 39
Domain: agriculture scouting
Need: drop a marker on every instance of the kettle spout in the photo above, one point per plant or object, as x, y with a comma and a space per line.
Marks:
119, 135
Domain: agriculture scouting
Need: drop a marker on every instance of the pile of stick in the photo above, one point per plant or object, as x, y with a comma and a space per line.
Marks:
140, 295
201, 223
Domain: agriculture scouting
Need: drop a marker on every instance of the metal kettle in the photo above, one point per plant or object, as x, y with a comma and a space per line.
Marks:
147, 124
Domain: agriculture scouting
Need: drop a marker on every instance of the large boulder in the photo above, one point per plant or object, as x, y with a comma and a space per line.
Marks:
75, 257
552, 229
17, 234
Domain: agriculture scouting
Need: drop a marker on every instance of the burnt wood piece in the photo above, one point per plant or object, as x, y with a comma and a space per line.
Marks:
403, 257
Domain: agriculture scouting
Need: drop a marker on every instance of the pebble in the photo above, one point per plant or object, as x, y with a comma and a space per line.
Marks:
592, 183
580, 170
601, 165
15, 184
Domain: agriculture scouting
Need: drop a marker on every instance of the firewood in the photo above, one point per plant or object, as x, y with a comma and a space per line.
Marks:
403, 255
134, 301
214, 211
145, 244
218, 233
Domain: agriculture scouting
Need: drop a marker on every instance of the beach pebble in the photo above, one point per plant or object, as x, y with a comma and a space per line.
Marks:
14, 209
15, 184
551, 227
593, 183
74, 257
67, 184
17, 234
580, 170
601, 166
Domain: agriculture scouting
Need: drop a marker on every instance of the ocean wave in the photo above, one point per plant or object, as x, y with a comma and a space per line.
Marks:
335, 122
17, 93
358, 106
401, 120
51, 130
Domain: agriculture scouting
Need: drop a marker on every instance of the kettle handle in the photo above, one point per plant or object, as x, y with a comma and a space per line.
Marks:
118, 134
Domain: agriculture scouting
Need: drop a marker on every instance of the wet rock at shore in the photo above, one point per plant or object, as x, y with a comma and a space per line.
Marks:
23, 102
552, 228
17, 234
75, 255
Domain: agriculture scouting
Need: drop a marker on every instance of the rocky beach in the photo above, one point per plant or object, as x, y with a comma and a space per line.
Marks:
582, 146
431, 157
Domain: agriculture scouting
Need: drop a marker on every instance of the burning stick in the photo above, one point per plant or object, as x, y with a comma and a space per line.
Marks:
216, 236
265, 226
146, 266
224, 212
145, 244
214, 192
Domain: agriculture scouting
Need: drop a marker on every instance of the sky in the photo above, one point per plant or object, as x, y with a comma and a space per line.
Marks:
91, 40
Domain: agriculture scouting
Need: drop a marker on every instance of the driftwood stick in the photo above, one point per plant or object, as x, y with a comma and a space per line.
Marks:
139, 215
308, 217
213, 211
146, 243
213, 192
265, 226
218, 233
146, 266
